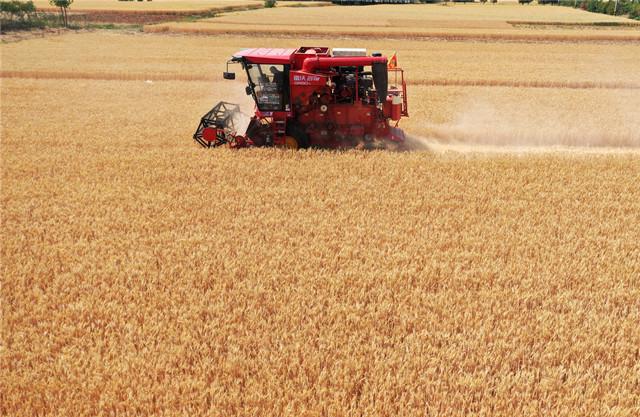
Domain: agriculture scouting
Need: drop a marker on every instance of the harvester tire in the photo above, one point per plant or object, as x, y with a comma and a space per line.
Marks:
298, 133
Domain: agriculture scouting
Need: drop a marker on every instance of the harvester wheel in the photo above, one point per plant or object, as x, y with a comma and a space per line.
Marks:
290, 142
297, 132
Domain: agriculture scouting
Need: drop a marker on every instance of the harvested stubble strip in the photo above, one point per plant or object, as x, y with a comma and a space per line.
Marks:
441, 82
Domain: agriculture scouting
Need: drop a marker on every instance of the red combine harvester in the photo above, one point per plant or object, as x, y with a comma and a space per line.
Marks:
310, 97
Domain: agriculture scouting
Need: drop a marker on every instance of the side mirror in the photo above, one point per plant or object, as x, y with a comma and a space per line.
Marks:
229, 75
247, 90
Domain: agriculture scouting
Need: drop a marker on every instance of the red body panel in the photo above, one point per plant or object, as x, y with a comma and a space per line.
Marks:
312, 63
331, 100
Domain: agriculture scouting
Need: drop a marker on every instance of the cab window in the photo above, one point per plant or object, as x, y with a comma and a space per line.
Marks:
269, 83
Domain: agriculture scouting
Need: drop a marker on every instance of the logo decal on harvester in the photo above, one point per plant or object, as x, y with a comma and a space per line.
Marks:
305, 79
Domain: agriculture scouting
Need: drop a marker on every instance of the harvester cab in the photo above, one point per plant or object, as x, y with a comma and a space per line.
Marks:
312, 97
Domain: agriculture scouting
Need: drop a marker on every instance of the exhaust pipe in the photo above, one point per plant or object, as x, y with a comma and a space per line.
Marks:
380, 79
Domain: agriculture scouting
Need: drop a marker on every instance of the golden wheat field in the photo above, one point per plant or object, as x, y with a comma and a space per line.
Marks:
495, 271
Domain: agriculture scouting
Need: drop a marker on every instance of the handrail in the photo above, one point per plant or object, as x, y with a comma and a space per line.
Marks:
402, 90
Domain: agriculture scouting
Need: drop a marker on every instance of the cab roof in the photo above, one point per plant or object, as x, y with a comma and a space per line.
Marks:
266, 55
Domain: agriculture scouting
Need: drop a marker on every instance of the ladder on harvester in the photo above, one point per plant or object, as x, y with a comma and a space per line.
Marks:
279, 131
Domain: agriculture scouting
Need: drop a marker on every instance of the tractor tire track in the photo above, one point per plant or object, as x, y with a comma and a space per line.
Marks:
577, 85
103, 76
392, 35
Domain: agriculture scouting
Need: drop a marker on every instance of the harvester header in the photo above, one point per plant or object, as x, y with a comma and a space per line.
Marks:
309, 97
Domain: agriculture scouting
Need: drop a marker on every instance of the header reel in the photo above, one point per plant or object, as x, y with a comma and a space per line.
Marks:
218, 126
